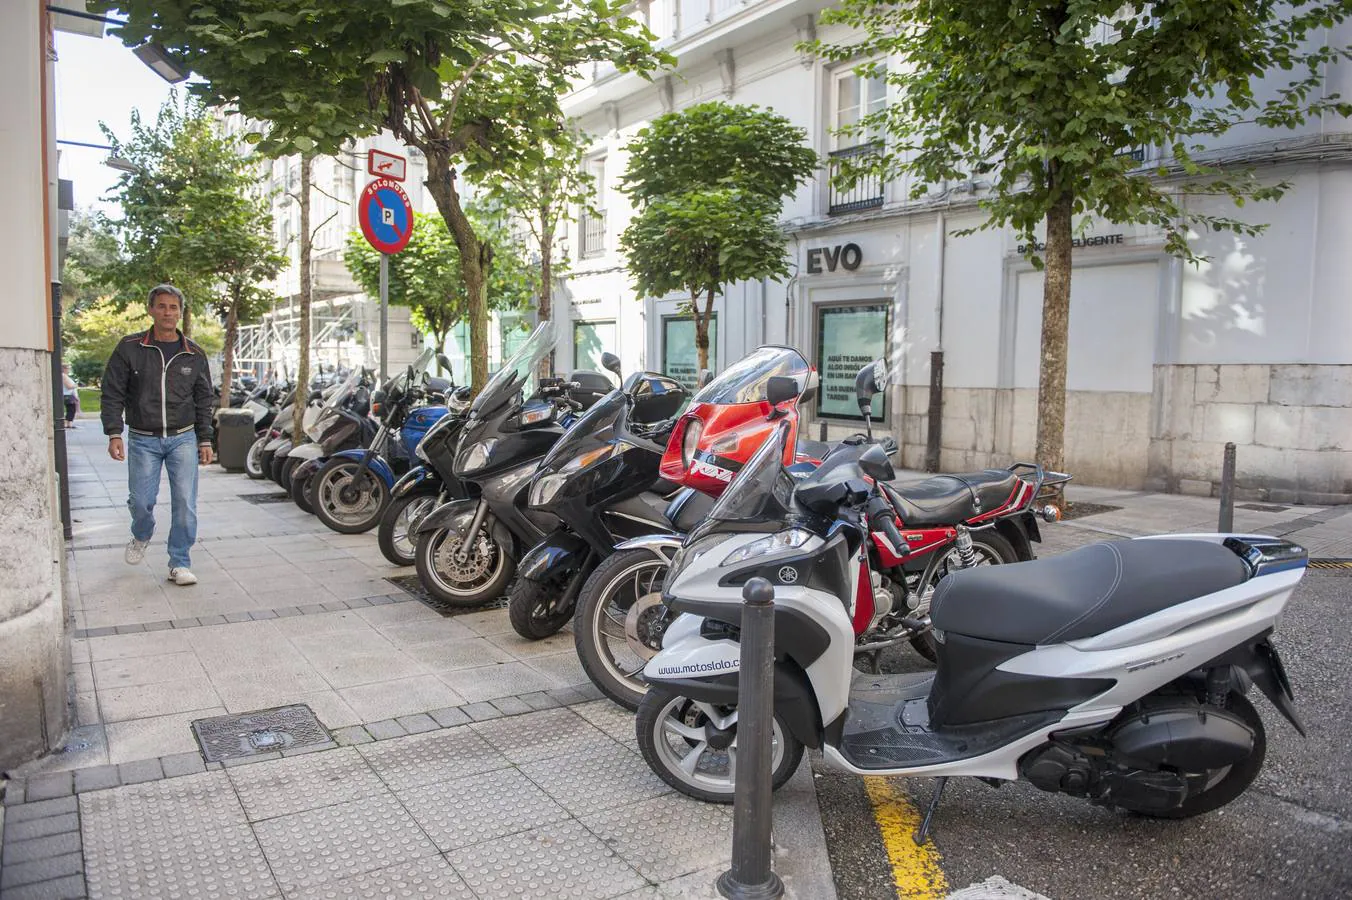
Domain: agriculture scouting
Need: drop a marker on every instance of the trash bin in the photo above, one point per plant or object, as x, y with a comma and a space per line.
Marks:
234, 436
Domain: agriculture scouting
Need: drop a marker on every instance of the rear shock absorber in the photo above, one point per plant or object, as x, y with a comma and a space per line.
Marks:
966, 554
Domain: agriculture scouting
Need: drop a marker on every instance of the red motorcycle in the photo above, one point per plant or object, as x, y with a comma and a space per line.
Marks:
932, 527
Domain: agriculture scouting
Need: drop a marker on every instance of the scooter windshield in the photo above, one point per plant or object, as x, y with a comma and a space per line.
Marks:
593, 429
748, 380
516, 380
398, 382
762, 490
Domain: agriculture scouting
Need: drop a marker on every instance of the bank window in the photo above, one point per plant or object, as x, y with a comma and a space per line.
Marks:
590, 340
680, 356
849, 338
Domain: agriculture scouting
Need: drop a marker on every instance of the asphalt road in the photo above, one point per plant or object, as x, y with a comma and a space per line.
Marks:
1289, 836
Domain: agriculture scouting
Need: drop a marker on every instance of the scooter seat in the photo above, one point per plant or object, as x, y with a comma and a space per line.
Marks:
1081, 593
950, 499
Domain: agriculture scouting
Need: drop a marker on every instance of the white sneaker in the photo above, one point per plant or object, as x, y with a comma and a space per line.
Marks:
136, 551
180, 576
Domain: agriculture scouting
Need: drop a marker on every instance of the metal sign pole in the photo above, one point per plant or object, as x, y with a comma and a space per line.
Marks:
384, 315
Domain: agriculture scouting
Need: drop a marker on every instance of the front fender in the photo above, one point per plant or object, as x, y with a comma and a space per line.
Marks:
377, 464
456, 515
307, 468
560, 553
417, 480
664, 546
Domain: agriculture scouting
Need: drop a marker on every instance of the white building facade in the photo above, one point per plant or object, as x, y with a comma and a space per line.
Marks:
1167, 361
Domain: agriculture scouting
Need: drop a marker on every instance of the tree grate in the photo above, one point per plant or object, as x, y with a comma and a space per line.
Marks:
410, 585
255, 733
1259, 507
258, 499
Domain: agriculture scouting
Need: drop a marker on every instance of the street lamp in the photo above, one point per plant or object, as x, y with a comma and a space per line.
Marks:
162, 62
121, 165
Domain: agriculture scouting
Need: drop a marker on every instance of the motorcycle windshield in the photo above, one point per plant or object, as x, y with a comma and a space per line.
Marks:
398, 382
748, 380
317, 423
516, 380
762, 490
593, 429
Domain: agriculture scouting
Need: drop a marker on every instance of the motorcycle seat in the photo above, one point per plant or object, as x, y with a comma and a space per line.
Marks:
950, 499
1081, 593
815, 449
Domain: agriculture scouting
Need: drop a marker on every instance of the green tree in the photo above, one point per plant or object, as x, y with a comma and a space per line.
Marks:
709, 183
93, 330
472, 85
1046, 100
543, 194
426, 275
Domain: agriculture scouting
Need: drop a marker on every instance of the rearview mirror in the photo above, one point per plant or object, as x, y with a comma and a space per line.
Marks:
443, 362
781, 388
870, 380
612, 362
875, 464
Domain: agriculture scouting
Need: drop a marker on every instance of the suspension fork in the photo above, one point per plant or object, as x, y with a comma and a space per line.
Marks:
480, 513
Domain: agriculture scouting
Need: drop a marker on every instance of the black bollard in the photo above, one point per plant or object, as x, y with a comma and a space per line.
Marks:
750, 877
1227, 517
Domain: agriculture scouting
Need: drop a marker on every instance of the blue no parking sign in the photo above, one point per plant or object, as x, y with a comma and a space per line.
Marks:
385, 215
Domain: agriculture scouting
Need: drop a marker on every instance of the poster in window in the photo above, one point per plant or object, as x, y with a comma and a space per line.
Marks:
848, 338
590, 340
680, 356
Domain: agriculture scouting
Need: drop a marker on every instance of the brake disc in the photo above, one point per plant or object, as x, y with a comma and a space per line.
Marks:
645, 624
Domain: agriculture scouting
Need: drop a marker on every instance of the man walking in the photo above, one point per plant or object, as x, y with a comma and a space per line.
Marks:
161, 380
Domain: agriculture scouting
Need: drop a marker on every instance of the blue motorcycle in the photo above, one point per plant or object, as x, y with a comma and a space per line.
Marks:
350, 491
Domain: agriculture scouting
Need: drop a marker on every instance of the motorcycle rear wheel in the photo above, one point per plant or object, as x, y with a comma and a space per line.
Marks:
253, 460
991, 549
288, 467
343, 514
671, 728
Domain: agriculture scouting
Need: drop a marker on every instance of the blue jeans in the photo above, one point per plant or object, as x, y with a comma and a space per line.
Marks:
178, 454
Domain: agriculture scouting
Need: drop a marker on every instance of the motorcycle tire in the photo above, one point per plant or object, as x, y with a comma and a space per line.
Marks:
486, 581
992, 549
253, 460
664, 713
620, 577
400, 549
301, 493
334, 511
275, 469
287, 468
1231, 783
533, 608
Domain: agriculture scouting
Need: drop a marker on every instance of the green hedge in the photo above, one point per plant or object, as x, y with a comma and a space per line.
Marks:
90, 400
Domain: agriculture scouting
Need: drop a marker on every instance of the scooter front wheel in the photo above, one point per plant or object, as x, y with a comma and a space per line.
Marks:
344, 506
692, 745
620, 622
534, 608
481, 577
398, 542
253, 460
302, 492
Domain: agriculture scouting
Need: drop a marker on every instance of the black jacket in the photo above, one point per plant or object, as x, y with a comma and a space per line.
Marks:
157, 399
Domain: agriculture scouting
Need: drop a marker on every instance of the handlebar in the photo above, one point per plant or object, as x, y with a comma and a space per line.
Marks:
882, 518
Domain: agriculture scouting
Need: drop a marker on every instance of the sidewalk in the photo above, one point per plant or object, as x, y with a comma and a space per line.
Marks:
463, 760
455, 759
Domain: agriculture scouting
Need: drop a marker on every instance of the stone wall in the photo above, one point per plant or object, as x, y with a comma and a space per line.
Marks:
1291, 424
33, 650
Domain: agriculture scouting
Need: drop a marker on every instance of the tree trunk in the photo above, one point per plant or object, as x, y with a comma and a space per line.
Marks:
1051, 391
228, 358
702, 329
306, 242
545, 307
475, 259
187, 320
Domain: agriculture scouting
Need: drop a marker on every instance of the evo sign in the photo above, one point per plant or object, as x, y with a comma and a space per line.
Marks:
847, 256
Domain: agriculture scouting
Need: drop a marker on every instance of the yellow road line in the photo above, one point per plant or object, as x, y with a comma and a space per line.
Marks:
915, 870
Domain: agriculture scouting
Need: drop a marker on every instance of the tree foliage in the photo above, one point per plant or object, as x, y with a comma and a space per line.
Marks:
709, 183
1043, 102
426, 275
472, 85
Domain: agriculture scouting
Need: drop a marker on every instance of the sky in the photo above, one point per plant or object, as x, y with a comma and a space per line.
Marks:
99, 80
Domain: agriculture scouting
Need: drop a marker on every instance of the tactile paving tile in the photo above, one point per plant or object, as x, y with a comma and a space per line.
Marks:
427, 879
471, 810
427, 758
551, 862
542, 735
668, 836
319, 845
175, 806
597, 779
611, 718
222, 863
285, 786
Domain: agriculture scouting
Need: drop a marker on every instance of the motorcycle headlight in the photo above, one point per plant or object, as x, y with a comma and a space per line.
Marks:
792, 539
546, 489
690, 441
476, 457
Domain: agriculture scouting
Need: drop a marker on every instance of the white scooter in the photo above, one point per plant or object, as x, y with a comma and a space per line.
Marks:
1116, 672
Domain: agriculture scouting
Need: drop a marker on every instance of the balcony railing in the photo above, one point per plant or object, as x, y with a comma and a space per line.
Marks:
593, 228
865, 193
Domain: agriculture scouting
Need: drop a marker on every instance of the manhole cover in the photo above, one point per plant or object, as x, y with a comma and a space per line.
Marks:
266, 498
252, 733
1258, 507
410, 585
1343, 565
1079, 510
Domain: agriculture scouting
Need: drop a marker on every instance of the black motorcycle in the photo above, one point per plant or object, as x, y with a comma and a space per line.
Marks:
601, 482
467, 549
